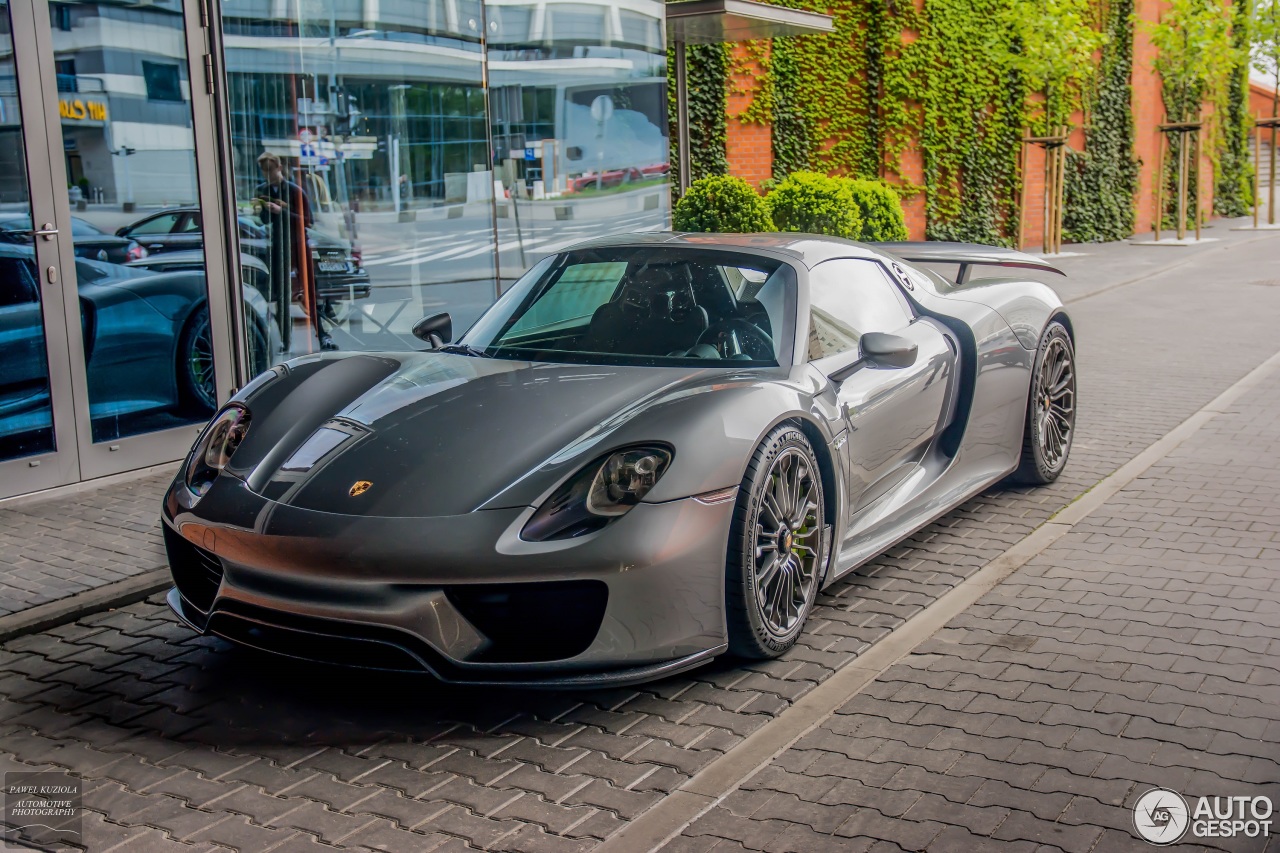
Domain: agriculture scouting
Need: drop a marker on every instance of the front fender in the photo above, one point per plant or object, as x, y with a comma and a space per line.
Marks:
714, 429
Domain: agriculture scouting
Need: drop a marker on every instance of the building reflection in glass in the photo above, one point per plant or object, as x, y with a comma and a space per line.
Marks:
377, 115
579, 109
374, 114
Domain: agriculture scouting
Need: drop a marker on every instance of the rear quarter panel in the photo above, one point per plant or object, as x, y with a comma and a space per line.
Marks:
1026, 305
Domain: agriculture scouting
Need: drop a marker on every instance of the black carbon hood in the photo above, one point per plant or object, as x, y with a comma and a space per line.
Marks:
432, 434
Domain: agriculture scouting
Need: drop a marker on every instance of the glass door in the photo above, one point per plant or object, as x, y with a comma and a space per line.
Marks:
37, 424
131, 355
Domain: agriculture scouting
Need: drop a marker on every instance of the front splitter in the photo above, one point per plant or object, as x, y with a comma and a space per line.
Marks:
551, 681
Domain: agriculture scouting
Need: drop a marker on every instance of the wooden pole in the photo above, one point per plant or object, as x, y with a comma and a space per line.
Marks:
1062, 188
1046, 240
1052, 155
1199, 206
1257, 163
1182, 187
1271, 181
1160, 187
1022, 193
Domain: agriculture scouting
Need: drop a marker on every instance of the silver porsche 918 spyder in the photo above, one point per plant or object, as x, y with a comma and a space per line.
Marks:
650, 451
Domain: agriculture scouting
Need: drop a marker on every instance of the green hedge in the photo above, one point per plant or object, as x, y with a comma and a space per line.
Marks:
807, 202
881, 209
721, 204
812, 203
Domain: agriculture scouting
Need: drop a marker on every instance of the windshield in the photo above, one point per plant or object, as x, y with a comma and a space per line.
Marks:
644, 306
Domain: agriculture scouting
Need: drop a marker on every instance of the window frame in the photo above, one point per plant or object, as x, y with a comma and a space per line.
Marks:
147, 79
134, 229
26, 276
850, 356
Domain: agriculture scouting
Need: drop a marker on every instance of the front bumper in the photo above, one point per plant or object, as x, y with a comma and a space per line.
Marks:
460, 597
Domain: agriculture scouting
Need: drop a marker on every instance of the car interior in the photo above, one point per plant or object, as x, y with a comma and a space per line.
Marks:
656, 308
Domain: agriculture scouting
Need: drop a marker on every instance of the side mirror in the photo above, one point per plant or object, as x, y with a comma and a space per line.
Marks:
888, 350
436, 330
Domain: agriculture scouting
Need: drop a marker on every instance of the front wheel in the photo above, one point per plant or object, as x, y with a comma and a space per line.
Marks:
1051, 409
775, 546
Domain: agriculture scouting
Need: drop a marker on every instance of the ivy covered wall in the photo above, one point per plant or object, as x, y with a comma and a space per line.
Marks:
1102, 180
1233, 191
937, 95
706, 66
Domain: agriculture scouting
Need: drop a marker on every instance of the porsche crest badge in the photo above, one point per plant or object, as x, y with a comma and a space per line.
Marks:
359, 487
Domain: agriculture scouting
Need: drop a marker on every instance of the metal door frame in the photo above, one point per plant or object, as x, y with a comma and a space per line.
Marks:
77, 457
61, 465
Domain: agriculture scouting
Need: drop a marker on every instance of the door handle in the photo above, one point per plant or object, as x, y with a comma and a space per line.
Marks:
46, 231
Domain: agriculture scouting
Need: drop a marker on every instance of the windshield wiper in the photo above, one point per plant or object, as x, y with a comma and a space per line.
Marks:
464, 349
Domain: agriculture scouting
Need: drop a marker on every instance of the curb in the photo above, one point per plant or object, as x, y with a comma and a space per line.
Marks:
107, 597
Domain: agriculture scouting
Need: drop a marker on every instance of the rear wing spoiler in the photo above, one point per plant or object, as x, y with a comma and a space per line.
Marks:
967, 255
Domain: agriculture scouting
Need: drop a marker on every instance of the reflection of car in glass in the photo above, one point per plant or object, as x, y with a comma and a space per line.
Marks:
253, 271
649, 451
90, 241
146, 340
607, 178
339, 272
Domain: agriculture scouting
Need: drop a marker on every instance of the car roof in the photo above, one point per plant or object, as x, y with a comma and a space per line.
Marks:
809, 249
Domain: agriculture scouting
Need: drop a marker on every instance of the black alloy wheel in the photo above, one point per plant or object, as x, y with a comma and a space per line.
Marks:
776, 552
199, 392
1051, 409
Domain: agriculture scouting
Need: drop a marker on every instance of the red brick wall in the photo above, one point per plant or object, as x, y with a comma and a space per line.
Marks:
749, 146
1261, 100
1148, 112
750, 151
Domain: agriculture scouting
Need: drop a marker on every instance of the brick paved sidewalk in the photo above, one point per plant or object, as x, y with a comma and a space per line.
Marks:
1141, 649
59, 546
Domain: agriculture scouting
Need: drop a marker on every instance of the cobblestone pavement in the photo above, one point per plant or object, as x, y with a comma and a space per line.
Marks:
57, 547
1141, 649
188, 744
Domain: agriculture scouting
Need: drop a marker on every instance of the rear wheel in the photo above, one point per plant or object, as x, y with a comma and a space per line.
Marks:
199, 394
196, 384
1051, 409
775, 546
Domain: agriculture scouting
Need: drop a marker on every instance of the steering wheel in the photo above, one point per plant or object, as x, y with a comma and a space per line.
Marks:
735, 337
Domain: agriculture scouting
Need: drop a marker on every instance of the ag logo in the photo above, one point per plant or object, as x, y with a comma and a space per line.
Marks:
359, 487
1161, 816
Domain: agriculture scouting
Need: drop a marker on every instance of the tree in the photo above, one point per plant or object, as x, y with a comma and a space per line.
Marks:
1054, 43
1266, 43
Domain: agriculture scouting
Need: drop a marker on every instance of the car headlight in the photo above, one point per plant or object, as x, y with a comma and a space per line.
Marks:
602, 491
214, 448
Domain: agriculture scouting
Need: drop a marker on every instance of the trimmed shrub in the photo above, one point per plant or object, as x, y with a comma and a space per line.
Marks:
881, 209
813, 203
721, 204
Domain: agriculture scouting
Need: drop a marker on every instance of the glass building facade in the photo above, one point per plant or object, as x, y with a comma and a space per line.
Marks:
433, 149
193, 191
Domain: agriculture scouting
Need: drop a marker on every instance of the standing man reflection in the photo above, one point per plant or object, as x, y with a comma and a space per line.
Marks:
284, 208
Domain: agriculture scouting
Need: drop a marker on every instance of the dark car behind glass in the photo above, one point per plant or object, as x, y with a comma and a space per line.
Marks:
146, 339
339, 271
91, 242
